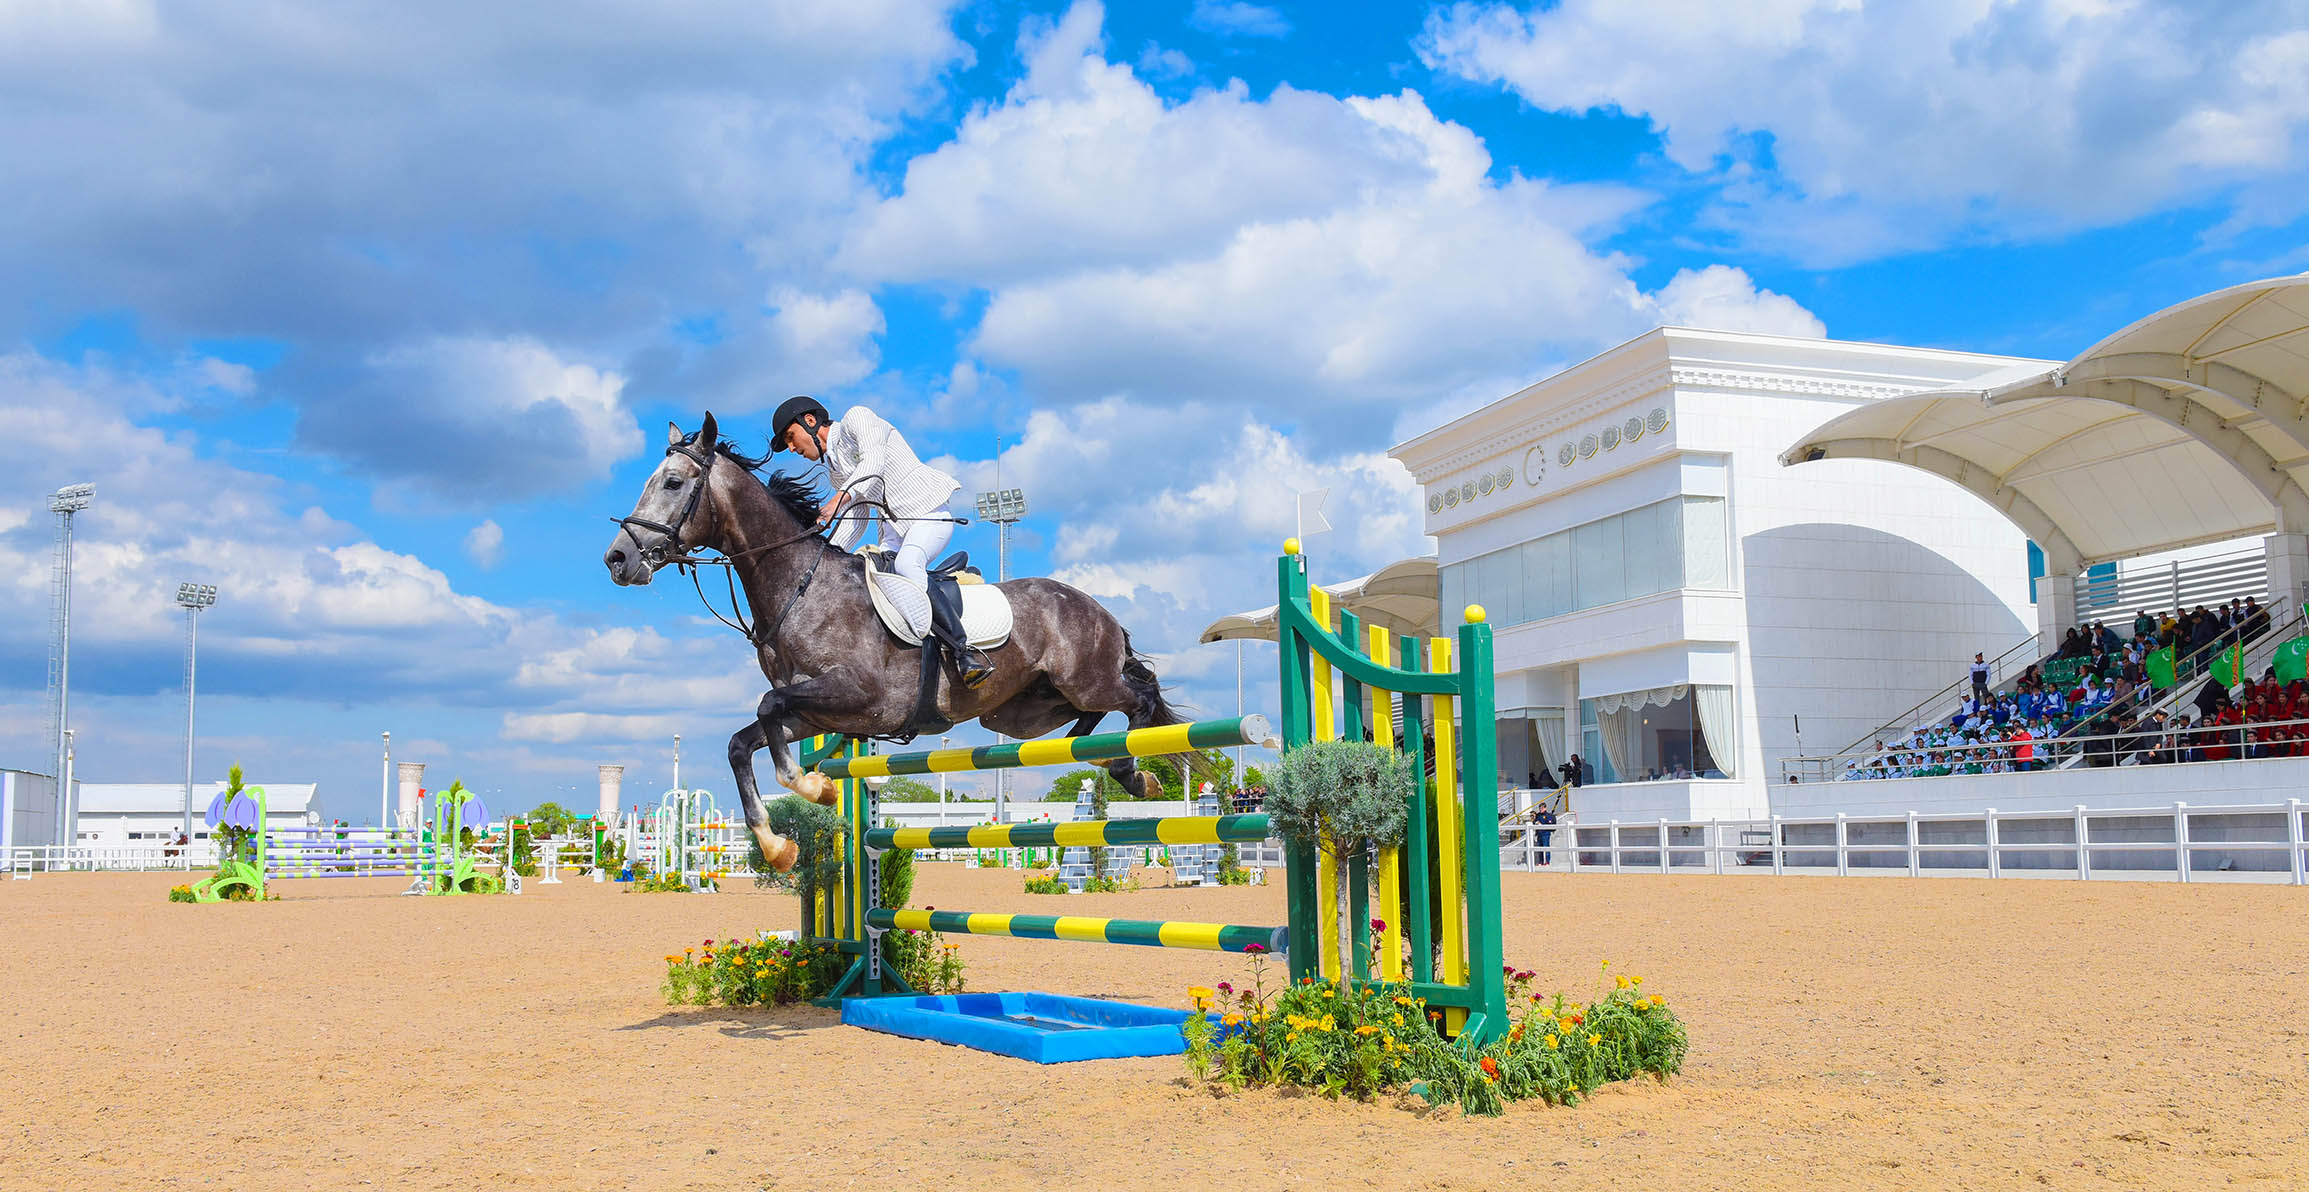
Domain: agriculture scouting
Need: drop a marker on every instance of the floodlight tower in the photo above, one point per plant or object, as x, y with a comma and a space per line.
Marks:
64, 502
191, 598
1004, 507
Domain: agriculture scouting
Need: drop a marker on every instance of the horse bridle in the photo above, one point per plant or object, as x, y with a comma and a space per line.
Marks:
671, 549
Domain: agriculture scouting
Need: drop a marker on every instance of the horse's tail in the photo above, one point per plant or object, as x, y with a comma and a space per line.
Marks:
1138, 674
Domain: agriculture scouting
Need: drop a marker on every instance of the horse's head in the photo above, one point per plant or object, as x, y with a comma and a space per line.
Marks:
675, 510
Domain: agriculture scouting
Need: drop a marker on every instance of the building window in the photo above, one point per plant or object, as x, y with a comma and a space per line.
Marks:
1667, 733
1679, 543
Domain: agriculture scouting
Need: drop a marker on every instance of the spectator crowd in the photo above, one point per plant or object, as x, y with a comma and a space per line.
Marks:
2091, 698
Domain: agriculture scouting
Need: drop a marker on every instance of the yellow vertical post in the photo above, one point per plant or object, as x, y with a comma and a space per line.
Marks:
1325, 727
1450, 867
1382, 722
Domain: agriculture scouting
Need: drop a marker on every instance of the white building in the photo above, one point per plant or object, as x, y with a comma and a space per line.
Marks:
1674, 605
27, 809
1699, 544
124, 813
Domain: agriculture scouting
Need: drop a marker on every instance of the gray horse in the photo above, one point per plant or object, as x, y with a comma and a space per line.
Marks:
832, 666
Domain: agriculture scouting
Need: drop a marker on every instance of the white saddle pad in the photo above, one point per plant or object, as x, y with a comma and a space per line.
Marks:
905, 608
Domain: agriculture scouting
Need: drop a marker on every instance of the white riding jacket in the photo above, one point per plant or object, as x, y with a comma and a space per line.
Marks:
868, 459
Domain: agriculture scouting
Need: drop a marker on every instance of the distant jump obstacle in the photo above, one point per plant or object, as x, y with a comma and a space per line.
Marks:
1336, 683
433, 857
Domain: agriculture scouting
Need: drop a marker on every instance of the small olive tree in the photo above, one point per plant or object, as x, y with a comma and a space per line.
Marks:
1349, 796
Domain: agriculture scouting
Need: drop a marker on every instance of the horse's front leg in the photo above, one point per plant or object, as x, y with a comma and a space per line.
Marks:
822, 698
780, 852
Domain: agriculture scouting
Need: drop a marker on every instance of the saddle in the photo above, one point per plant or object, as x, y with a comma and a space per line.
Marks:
959, 606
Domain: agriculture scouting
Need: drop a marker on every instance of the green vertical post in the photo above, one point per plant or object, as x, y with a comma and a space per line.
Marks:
1479, 786
1298, 728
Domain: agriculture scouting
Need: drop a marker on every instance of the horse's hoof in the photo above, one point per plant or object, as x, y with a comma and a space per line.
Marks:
780, 852
818, 788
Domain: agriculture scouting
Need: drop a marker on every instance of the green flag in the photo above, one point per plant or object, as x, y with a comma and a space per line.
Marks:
2228, 664
2293, 660
2159, 664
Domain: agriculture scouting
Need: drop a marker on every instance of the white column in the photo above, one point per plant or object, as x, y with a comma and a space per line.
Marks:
2288, 563
412, 775
2055, 610
612, 794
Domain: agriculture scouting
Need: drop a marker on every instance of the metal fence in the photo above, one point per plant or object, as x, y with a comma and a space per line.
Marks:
25, 860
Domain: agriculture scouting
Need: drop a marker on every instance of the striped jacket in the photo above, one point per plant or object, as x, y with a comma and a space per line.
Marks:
869, 459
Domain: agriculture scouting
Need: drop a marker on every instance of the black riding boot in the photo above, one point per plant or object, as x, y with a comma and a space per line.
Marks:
971, 666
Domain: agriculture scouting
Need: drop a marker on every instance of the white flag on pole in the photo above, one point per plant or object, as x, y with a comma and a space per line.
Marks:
1311, 512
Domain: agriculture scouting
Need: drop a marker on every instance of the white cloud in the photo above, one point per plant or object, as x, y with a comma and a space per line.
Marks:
311, 616
1722, 298
1233, 18
485, 544
1840, 129
1318, 262
355, 180
494, 418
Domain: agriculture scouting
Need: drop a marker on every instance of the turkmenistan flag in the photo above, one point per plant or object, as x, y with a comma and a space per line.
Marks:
2228, 664
2159, 664
2293, 660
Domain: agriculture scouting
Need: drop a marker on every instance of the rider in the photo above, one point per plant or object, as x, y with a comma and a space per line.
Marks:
870, 462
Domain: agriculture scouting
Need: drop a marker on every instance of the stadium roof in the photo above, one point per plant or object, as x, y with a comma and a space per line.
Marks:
1403, 596
2186, 427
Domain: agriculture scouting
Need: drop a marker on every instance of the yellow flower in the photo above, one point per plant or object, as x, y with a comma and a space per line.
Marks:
1635, 980
1565, 1025
1623, 981
1592, 1040
1366, 1029
1551, 1042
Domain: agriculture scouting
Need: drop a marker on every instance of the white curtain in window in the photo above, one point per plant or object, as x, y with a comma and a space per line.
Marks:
1657, 697
1548, 723
1718, 727
1622, 744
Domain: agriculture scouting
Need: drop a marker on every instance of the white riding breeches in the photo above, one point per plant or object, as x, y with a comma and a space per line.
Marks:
919, 544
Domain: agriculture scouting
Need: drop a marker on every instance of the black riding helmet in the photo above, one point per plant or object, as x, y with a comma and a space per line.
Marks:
790, 412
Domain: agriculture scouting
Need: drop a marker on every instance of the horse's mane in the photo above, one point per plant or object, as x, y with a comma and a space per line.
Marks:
800, 500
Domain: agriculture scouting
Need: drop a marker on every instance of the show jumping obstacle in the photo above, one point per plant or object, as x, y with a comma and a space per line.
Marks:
434, 857
1337, 683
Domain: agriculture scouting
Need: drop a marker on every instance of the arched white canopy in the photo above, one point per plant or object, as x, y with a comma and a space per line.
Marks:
1402, 596
2186, 427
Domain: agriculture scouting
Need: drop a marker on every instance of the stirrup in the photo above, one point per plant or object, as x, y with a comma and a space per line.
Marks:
974, 670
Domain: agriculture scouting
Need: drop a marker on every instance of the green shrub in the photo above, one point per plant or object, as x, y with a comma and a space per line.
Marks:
1359, 1039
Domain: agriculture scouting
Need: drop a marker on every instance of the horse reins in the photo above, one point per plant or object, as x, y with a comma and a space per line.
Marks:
656, 557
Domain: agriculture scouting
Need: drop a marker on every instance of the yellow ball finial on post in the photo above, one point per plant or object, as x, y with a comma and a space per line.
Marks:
1290, 546
1475, 614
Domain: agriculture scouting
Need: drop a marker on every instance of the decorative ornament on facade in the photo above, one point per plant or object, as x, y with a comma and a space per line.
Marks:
1587, 447
1535, 465
1633, 430
1506, 477
1659, 419
1611, 437
1565, 454
1467, 491
1434, 502
1451, 498
1484, 486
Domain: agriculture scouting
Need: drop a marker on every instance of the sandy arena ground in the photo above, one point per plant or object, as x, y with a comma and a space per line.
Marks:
1847, 1033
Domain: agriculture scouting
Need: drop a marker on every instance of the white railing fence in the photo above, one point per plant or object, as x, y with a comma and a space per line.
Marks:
2245, 842
24, 860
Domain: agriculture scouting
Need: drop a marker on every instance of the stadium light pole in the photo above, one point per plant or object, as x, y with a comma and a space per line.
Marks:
191, 598
385, 787
1004, 507
64, 502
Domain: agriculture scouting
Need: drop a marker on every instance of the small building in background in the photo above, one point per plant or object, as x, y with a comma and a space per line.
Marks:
135, 813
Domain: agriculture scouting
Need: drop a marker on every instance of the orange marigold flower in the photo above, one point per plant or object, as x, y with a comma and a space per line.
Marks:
1490, 1067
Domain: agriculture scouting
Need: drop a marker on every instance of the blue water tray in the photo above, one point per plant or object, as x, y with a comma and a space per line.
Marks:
1043, 1027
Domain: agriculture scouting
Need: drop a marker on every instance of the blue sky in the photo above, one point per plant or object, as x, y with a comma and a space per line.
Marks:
370, 316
